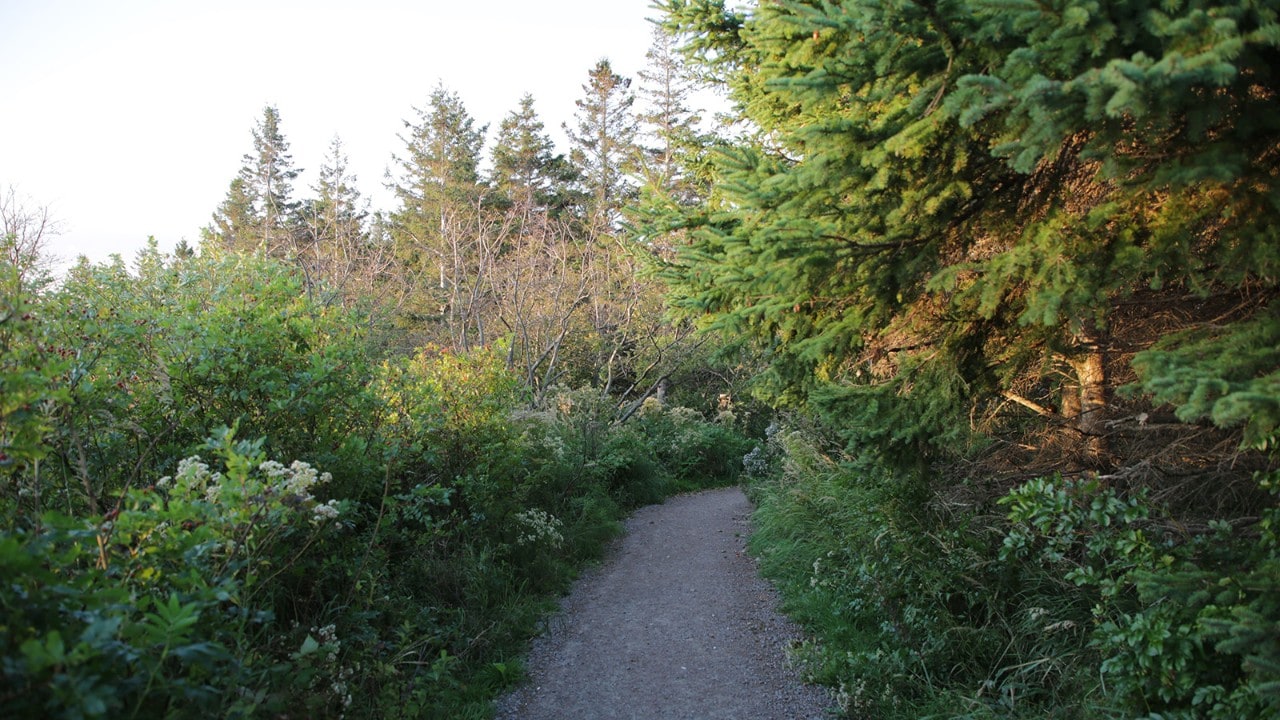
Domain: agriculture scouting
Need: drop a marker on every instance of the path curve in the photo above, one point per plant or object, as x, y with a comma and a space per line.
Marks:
675, 625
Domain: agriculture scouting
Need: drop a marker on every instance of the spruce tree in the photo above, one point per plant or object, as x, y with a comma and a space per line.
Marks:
235, 223
668, 122
270, 169
977, 190
603, 141
526, 169
995, 241
439, 181
337, 215
259, 210
336, 248
439, 227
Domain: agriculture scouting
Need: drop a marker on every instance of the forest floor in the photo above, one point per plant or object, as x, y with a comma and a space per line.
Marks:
676, 623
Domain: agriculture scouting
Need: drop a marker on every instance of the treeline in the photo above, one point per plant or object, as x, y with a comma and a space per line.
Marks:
335, 462
518, 241
1015, 265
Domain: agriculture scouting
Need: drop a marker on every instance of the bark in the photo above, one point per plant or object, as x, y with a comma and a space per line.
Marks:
1092, 402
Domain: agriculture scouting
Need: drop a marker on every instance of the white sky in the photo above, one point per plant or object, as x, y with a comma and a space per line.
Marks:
128, 118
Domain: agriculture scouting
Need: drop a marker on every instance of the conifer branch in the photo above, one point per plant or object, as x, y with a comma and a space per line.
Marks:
899, 245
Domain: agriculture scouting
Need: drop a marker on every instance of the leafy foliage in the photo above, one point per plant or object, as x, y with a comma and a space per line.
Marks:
960, 229
143, 580
1177, 625
166, 607
28, 370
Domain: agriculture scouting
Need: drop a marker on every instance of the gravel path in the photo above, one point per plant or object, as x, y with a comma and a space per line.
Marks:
675, 624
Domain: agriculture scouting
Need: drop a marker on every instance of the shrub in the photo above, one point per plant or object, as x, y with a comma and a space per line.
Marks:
876, 578
1183, 627
696, 453
402, 586
166, 609
160, 357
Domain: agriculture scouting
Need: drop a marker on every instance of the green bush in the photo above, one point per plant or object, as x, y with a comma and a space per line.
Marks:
29, 369
160, 356
405, 585
1183, 627
166, 609
696, 453
1083, 601
873, 577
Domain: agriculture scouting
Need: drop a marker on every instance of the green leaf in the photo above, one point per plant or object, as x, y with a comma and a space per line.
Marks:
309, 646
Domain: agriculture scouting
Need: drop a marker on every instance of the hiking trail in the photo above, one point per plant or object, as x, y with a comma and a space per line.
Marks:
675, 624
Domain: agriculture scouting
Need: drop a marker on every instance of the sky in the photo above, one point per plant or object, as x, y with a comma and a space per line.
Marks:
128, 119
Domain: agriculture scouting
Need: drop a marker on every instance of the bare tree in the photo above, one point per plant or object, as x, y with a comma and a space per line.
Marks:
24, 236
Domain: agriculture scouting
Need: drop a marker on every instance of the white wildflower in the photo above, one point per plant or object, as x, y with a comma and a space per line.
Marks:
328, 634
684, 415
555, 444
326, 511
755, 462
538, 526
193, 470
299, 479
273, 469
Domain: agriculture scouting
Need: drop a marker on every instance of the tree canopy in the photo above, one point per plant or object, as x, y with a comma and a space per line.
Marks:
982, 187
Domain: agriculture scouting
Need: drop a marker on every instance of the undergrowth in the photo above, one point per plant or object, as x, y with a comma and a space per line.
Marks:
218, 498
1071, 600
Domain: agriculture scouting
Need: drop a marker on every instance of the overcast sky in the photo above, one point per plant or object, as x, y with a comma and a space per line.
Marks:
129, 118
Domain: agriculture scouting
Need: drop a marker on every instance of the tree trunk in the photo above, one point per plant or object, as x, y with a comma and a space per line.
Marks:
1090, 402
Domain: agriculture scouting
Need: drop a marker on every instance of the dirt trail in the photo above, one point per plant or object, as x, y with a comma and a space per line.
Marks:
676, 624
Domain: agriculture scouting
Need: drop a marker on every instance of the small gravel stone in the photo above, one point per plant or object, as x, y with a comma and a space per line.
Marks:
676, 625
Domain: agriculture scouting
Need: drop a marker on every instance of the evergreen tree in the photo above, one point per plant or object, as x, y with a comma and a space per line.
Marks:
259, 211
604, 143
970, 193
337, 248
337, 215
270, 170
235, 223
440, 179
439, 229
526, 168
668, 122
961, 230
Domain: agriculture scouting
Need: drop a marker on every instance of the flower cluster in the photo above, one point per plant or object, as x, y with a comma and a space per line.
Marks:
329, 647
555, 444
853, 697
325, 511
756, 462
295, 480
538, 526
291, 484
684, 416
816, 579
195, 477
